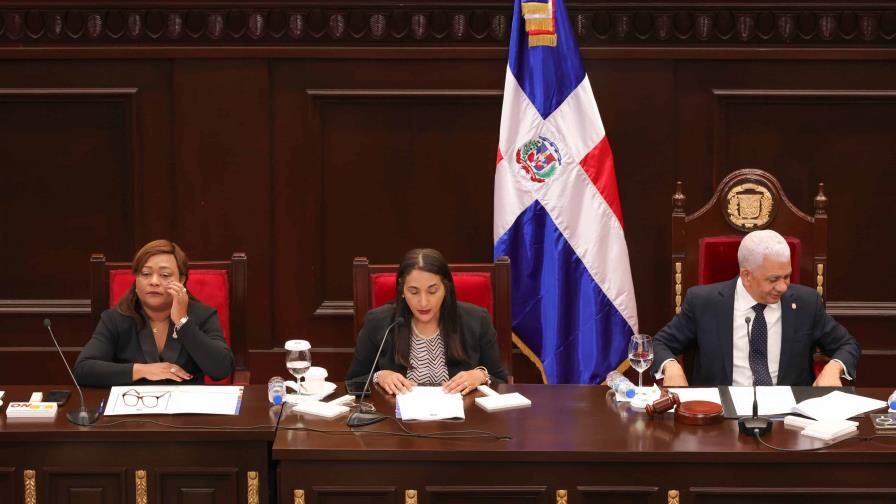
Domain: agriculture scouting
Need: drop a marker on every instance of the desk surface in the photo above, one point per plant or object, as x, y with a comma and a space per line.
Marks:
566, 423
257, 420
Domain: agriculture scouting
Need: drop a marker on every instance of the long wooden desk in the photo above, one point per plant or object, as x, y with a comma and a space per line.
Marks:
574, 445
191, 458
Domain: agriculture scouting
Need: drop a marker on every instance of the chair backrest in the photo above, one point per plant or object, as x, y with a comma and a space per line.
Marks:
219, 284
704, 243
483, 284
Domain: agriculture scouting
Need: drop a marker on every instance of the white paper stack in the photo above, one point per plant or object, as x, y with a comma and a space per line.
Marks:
503, 402
321, 409
31, 410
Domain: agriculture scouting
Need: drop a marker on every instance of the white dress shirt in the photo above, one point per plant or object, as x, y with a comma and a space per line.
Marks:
741, 374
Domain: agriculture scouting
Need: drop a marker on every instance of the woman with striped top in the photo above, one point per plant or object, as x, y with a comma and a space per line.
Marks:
438, 341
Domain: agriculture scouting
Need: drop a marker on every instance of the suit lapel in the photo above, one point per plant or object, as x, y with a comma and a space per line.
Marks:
787, 320
724, 317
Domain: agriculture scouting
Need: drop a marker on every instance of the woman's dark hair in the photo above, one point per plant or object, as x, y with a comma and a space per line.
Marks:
430, 261
129, 304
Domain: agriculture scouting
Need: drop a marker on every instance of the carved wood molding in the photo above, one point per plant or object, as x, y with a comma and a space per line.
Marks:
252, 487
481, 23
29, 477
140, 493
860, 309
44, 306
298, 497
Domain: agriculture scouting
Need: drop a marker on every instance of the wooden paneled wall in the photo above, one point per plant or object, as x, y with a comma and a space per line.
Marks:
308, 133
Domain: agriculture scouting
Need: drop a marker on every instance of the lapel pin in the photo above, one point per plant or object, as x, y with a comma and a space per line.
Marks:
793, 306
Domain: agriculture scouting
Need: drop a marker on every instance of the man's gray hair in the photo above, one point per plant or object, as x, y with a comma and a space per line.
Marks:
758, 245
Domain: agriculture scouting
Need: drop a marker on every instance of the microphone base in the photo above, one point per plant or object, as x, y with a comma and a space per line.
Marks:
753, 426
82, 417
359, 419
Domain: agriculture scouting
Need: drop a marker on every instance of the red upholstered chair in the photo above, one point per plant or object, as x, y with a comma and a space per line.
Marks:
486, 285
219, 284
704, 243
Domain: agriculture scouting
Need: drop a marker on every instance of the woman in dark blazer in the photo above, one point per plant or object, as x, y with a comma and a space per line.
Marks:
437, 340
158, 332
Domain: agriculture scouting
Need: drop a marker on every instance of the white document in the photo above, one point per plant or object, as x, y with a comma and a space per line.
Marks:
430, 403
837, 406
772, 400
710, 394
174, 399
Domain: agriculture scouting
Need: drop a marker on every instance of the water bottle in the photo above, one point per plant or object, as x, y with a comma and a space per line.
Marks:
621, 385
892, 402
276, 390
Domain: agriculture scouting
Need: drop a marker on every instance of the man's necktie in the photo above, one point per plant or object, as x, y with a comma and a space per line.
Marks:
759, 348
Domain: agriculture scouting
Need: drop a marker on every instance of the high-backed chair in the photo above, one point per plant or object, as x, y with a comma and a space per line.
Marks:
219, 284
705, 243
486, 285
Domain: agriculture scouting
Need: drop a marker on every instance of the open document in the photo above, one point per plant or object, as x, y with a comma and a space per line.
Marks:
430, 403
174, 399
837, 406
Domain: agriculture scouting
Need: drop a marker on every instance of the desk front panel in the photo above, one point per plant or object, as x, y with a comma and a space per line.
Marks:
131, 459
574, 445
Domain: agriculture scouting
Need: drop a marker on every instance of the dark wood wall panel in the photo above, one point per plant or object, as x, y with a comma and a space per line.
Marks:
52, 139
307, 136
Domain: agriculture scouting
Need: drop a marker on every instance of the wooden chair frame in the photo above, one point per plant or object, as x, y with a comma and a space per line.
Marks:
710, 221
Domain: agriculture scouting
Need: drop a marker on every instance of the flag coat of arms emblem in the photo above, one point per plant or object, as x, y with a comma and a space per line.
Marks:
557, 210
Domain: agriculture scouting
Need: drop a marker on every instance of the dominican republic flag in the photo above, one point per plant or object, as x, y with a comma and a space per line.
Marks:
557, 211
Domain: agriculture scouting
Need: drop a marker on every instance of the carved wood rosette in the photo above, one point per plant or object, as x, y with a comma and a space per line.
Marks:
562, 497
298, 496
673, 497
445, 22
410, 497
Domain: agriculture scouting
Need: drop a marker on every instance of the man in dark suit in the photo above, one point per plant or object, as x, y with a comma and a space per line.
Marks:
786, 323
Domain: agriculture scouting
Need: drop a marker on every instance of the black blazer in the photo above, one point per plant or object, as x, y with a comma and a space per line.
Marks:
706, 321
200, 349
477, 337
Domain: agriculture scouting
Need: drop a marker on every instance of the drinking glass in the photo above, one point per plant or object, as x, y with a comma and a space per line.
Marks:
640, 355
298, 359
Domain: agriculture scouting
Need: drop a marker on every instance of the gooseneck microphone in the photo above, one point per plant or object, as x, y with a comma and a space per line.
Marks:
83, 416
359, 418
755, 425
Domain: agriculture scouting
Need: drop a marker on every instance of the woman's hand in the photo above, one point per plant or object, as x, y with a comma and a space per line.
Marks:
180, 300
465, 381
160, 371
394, 383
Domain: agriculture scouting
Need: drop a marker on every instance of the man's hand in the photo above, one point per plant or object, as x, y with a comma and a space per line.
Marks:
673, 375
830, 375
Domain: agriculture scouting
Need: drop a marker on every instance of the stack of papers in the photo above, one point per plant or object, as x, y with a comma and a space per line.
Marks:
429, 403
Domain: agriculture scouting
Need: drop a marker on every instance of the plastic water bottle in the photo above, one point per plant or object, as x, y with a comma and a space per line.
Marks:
892, 402
621, 385
276, 390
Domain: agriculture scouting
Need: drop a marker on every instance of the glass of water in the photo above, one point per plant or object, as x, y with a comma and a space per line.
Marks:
298, 359
640, 355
